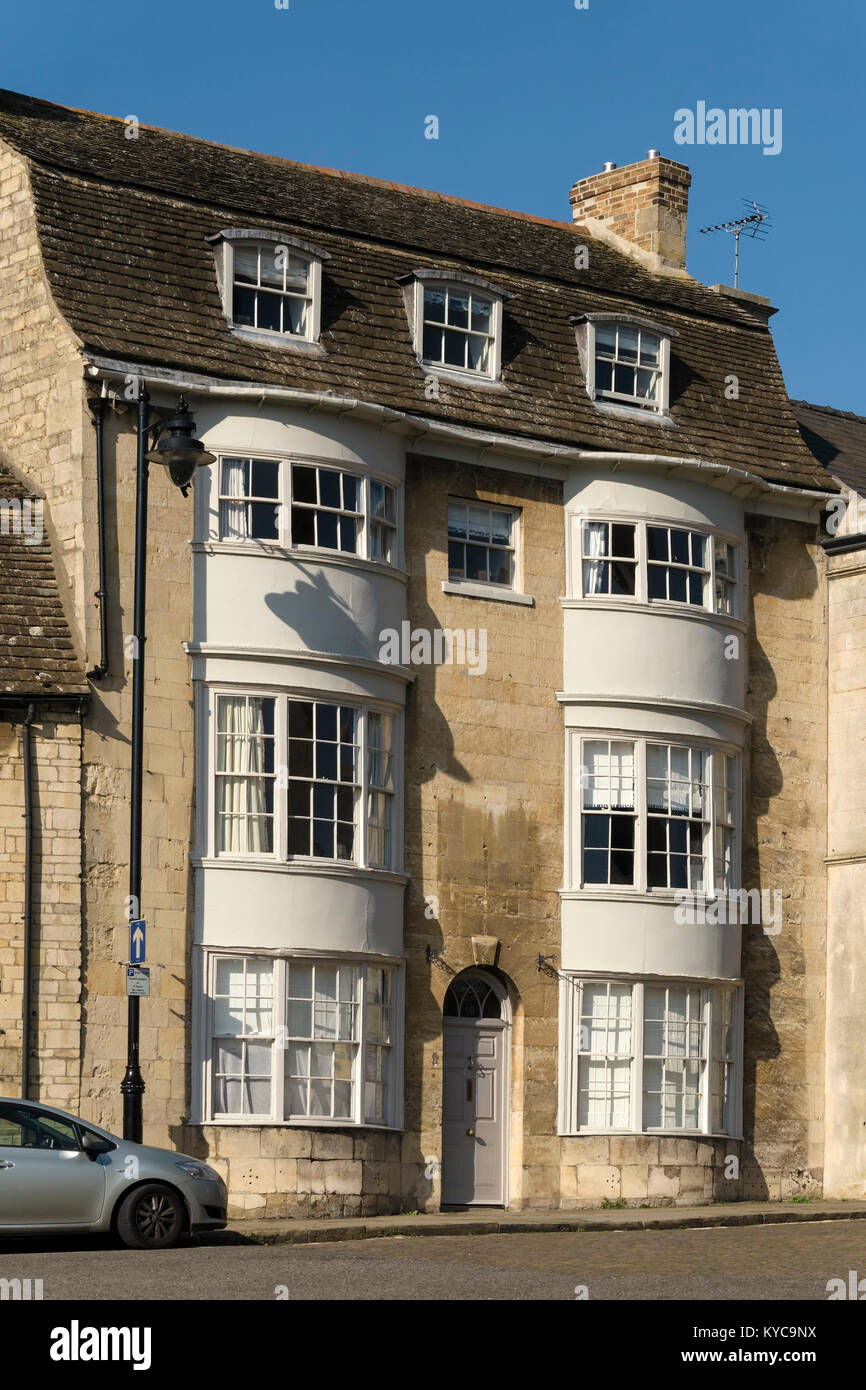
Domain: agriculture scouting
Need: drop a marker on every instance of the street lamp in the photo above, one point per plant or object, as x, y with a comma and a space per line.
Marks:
182, 454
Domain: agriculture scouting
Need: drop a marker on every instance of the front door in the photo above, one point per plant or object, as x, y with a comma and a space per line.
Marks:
473, 1123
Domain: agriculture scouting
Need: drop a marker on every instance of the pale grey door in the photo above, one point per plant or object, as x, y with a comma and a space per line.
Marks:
474, 1118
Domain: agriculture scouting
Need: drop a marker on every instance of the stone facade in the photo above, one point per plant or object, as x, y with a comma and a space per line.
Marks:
484, 814
784, 844
56, 962
484, 828
845, 1073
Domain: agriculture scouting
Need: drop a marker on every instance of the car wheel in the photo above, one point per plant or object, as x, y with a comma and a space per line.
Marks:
152, 1217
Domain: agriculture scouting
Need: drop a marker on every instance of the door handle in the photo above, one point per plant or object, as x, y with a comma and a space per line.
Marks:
471, 1133
4, 1164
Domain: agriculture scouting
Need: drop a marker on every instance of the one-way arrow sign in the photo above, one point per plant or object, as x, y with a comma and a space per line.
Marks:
137, 941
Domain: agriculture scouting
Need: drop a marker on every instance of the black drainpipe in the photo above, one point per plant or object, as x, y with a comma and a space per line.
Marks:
98, 406
27, 766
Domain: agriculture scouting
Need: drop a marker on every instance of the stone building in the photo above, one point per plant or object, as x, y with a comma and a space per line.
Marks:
42, 695
838, 440
486, 683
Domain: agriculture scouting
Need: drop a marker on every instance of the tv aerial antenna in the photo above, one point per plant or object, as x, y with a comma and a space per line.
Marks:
756, 224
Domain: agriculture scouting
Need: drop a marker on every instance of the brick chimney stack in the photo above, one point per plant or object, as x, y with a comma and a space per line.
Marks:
641, 208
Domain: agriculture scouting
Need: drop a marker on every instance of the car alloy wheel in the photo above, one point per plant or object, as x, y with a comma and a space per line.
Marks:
152, 1218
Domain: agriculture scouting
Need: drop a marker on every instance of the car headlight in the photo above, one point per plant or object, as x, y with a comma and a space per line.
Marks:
200, 1170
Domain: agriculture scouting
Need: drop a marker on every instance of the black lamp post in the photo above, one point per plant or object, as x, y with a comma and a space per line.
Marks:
182, 454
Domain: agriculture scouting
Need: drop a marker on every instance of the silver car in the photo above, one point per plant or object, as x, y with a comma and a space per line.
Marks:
60, 1175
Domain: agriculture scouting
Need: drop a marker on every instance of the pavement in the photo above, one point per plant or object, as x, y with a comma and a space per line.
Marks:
481, 1221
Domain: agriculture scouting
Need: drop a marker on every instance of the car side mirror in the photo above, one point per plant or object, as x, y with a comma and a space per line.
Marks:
94, 1144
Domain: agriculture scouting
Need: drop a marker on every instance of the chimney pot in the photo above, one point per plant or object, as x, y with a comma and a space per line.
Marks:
609, 167
653, 154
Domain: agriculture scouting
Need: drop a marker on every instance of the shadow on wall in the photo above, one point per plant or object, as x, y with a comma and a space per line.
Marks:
322, 618
770, 578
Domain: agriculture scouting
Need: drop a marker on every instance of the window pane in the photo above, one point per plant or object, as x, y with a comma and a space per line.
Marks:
481, 312
268, 312
432, 346
649, 350
479, 350
454, 348
244, 307
270, 274
605, 338
622, 578
627, 344
329, 488
458, 309
680, 547
246, 260
622, 541
304, 484
434, 305
623, 380
476, 562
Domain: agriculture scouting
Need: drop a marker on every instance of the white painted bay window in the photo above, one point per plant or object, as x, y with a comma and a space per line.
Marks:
308, 505
302, 1039
297, 778
655, 565
655, 816
649, 1056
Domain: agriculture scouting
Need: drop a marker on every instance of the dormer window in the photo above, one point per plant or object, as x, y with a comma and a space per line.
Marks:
271, 286
271, 289
458, 329
457, 325
626, 361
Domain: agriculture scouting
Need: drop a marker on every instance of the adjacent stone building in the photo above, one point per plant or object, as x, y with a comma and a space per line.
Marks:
486, 676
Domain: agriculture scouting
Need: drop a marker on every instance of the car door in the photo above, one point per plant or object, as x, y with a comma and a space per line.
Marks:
46, 1179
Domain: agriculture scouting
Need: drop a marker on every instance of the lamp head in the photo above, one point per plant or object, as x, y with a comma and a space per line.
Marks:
178, 450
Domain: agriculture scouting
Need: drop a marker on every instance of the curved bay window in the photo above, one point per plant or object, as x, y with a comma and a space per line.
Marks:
303, 1039
658, 816
301, 778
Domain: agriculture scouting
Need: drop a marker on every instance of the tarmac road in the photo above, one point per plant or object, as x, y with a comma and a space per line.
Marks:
759, 1263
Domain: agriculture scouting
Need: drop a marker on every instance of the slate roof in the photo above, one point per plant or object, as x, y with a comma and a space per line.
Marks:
36, 652
837, 438
123, 225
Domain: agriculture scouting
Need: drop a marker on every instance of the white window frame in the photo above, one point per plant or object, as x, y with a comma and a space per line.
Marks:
204, 1069
365, 478
468, 285
574, 813
571, 985
714, 539
661, 406
280, 853
514, 547
224, 249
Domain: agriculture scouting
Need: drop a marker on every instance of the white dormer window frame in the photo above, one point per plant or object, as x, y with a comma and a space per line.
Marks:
482, 319
280, 260
645, 349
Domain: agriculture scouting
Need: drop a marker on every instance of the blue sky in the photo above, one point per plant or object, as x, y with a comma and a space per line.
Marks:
530, 97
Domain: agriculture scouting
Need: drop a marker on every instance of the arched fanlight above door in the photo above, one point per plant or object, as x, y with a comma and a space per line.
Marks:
472, 996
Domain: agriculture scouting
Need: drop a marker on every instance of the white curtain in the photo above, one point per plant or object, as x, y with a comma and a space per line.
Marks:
595, 533
233, 515
242, 818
